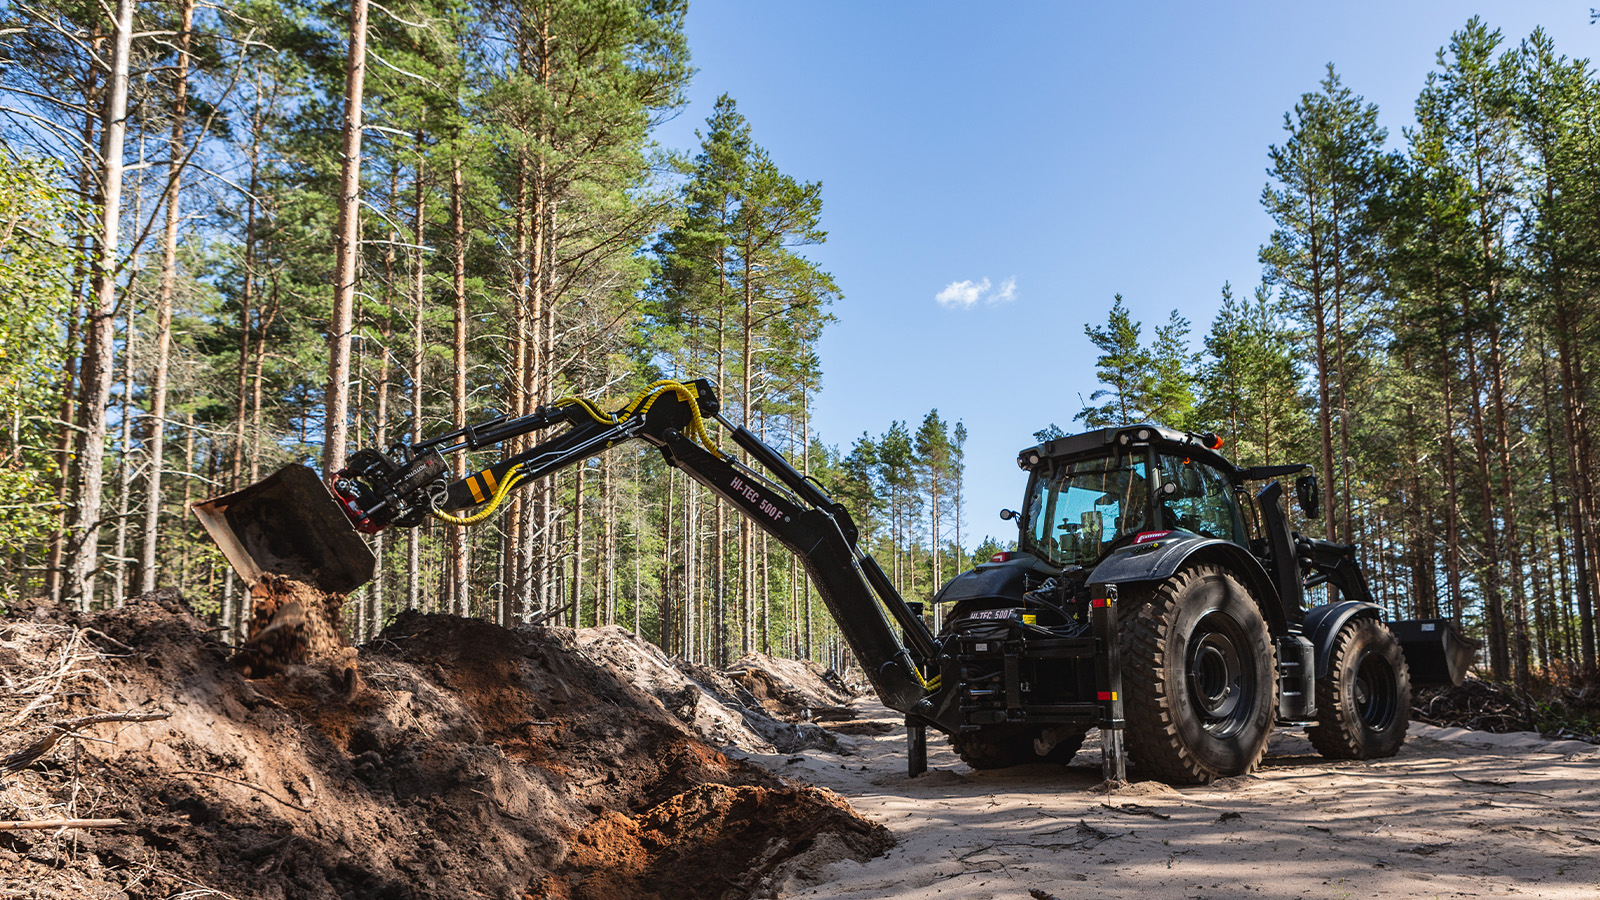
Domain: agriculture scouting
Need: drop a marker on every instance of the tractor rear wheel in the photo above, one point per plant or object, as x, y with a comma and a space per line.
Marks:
1364, 702
1002, 746
1199, 678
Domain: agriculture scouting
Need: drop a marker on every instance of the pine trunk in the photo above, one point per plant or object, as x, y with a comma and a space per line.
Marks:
346, 246
163, 336
460, 602
98, 333
419, 298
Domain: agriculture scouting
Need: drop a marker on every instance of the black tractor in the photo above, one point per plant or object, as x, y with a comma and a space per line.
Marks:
1215, 641
1142, 563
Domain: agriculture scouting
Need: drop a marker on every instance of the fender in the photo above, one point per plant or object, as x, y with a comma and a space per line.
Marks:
1159, 559
1323, 624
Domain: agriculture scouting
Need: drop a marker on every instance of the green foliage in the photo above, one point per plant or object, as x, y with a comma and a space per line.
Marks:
37, 271
986, 550
1140, 383
1251, 384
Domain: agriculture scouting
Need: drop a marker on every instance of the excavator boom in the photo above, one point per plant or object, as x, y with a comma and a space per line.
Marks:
293, 524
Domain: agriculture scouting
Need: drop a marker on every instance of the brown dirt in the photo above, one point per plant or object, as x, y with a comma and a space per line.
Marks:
662, 853
292, 623
465, 761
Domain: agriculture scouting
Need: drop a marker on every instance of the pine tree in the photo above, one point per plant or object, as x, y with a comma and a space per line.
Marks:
1327, 172
1124, 367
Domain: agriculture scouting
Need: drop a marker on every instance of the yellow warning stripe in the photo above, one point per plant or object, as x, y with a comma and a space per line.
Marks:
472, 485
489, 480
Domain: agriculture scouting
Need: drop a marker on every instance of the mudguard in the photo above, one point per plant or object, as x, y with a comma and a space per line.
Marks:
1159, 558
1323, 624
1007, 580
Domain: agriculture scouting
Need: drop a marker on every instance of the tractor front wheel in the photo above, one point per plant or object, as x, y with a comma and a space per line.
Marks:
1364, 700
1199, 678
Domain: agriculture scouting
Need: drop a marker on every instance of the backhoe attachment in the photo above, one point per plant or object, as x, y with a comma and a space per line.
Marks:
288, 524
293, 524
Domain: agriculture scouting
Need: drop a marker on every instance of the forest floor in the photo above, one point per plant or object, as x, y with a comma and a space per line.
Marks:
1457, 813
453, 758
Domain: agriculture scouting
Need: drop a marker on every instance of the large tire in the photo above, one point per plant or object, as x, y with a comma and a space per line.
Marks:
1002, 746
1364, 701
1199, 678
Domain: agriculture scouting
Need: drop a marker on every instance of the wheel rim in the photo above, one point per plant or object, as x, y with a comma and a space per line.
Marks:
1374, 692
1219, 676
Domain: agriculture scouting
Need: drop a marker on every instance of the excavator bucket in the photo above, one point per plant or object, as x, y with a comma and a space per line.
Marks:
1436, 651
288, 524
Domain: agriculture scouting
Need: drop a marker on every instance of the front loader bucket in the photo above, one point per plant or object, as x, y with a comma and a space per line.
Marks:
1437, 653
288, 524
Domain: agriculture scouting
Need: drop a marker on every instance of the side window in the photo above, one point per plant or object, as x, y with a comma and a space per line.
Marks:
1202, 502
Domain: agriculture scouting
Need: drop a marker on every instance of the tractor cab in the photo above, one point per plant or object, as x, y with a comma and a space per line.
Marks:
1095, 493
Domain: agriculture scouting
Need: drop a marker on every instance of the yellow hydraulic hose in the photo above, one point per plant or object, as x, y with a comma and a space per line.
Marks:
637, 407
513, 476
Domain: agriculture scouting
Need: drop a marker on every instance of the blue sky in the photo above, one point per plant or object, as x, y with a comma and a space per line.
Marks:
1061, 152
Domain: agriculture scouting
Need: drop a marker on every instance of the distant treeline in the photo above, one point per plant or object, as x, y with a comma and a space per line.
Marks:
1426, 333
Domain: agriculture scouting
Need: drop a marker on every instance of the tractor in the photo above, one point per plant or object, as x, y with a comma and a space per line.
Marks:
1150, 595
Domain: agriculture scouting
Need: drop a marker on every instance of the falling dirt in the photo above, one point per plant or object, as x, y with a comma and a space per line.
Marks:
292, 623
466, 760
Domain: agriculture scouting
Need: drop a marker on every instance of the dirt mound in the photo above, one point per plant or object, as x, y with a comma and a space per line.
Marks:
792, 689
709, 702
468, 760
668, 851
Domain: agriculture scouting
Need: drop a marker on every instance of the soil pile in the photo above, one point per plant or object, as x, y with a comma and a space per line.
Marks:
792, 688
466, 760
714, 704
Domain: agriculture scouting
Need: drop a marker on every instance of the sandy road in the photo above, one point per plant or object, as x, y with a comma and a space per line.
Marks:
1455, 814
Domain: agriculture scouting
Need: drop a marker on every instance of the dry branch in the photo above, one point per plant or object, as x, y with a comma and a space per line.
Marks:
49, 824
27, 755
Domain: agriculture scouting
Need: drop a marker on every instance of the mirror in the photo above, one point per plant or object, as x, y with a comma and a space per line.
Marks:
1309, 494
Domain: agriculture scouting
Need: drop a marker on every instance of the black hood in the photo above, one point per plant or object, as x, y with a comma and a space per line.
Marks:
1007, 580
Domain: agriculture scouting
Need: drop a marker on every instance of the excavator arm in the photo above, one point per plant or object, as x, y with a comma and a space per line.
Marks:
408, 483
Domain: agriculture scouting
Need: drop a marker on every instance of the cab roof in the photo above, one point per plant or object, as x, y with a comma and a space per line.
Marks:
1106, 441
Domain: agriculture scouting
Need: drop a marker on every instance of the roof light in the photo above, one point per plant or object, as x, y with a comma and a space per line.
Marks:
1033, 459
1144, 434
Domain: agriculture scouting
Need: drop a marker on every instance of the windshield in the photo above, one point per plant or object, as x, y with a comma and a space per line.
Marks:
1073, 518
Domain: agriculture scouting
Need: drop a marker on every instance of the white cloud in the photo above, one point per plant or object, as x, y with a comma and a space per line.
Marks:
966, 294
961, 294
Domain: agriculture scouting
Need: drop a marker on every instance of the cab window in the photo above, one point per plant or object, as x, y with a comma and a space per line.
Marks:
1075, 515
1198, 498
